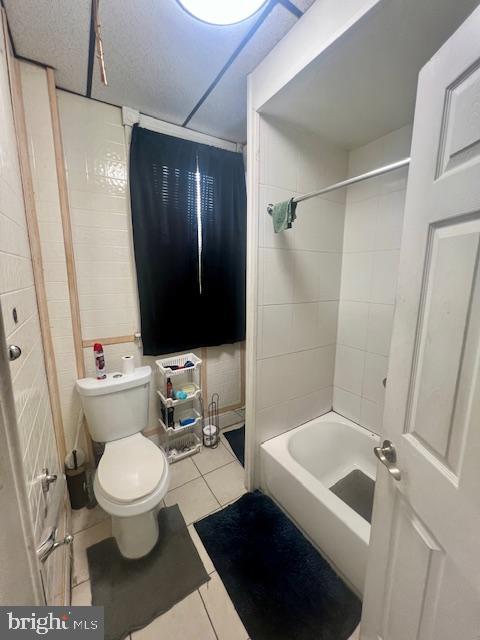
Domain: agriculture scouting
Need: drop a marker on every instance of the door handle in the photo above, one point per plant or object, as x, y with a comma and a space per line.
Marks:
387, 454
47, 479
50, 543
14, 352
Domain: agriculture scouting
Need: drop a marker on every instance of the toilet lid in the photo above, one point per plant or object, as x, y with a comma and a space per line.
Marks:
131, 468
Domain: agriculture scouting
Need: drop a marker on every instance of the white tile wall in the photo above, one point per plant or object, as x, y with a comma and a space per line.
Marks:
298, 280
44, 173
372, 237
223, 370
95, 157
96, 160
17, 291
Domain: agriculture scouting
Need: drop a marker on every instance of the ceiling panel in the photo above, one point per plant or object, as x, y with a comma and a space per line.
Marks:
159, 59
54, 32
224, 113
303, 5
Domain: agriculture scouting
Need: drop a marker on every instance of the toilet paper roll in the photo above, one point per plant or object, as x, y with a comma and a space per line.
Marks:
128, 364
210, 435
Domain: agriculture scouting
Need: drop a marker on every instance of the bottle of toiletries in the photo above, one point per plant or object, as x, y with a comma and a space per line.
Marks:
169, 388
171, 417
99, 361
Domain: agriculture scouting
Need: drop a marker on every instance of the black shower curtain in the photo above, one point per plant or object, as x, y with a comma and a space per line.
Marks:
188, 299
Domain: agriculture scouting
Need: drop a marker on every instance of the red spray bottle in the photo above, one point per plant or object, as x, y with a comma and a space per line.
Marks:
99, 361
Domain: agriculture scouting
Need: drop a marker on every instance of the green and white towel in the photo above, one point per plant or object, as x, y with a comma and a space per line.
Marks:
283, 214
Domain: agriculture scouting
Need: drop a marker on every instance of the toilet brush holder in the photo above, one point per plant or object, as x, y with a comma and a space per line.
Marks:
77, 486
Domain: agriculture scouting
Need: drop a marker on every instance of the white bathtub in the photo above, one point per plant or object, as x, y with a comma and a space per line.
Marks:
299, 466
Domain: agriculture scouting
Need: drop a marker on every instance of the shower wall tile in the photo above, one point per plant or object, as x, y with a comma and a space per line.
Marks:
279, 156
357, 270
305, 408
371, 414
379, 333
347, 404
273, 420
360, 225
372, 239
294, 375
296, 327
306, 326
299, 275
275, 329
319, 227
273, 380
385, 273
375, 372
278, 276
353, 324
349, 369
389, 222
327, 322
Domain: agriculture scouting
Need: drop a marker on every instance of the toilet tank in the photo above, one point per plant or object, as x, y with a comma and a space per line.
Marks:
117, 406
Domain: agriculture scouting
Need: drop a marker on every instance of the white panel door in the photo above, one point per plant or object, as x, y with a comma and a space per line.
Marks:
423, 578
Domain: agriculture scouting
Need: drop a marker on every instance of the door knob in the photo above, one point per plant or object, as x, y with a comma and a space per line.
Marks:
14, 352
387, 455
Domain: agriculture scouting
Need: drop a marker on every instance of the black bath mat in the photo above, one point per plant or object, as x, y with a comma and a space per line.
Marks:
356, 489
134, 592
236, 439
280, 585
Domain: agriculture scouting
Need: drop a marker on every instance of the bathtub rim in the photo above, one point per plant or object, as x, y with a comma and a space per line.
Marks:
278, 448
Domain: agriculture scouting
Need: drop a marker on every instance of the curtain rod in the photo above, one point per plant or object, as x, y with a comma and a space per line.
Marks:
364, 176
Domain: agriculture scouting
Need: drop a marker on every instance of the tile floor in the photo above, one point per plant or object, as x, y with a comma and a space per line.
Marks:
200, 485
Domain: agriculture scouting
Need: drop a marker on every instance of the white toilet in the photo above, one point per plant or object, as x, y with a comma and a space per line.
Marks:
133, 474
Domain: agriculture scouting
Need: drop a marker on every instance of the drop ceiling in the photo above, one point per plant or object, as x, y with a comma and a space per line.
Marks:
159, 59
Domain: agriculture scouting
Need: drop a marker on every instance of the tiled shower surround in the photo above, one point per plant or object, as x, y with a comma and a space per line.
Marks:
371, 248
326, 287
299, 274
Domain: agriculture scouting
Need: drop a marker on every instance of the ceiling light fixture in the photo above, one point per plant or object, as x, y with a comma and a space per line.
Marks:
222, 12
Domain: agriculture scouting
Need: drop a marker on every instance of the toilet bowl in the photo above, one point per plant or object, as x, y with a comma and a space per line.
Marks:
131, 481
133, 474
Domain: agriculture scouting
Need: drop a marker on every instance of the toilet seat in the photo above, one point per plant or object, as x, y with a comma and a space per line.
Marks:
132, 476
131, 468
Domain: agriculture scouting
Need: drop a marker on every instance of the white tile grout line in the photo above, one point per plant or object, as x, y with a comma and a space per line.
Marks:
77, 584
211, 470
208, 614
208, 487
92, 525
